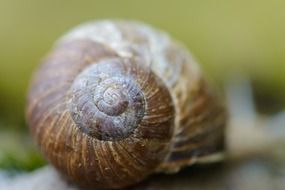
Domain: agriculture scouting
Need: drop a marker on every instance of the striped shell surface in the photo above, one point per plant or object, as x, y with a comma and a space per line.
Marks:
116, 101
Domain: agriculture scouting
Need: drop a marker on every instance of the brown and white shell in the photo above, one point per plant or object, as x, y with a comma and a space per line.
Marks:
116, 101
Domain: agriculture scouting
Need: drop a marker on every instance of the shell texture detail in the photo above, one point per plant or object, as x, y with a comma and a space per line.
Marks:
116, 101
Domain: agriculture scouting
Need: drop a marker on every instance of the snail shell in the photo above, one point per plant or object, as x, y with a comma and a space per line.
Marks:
116, 101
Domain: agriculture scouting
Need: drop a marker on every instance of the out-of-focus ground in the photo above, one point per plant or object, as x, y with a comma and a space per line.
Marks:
249, 175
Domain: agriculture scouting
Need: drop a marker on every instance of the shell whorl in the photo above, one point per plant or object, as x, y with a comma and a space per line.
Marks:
107, 99
116, 101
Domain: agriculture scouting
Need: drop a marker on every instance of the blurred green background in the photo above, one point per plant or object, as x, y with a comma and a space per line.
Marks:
226, 37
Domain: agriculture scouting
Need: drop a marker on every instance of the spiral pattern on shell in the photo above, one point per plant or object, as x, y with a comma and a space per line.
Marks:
116, 101
111, 97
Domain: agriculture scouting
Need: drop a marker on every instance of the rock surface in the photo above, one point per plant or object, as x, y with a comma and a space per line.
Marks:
42, 179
